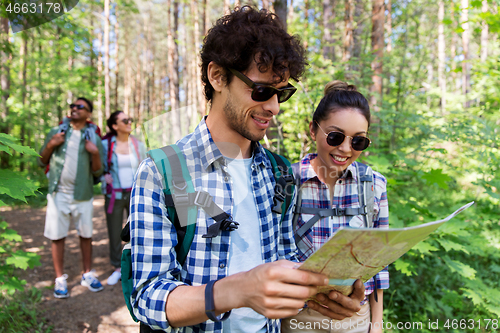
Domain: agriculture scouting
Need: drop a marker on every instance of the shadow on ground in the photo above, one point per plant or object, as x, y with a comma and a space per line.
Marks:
83, 311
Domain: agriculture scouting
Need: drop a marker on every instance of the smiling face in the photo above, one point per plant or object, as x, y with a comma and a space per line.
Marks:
120, 126
332, 161
79, 115
244, 116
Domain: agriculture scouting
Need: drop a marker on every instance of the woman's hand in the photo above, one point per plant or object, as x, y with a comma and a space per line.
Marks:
108, 178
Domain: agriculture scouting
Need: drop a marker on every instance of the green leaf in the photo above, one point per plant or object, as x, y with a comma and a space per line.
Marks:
450, 245
403, 267
23, 260
8, 141
425, 247
15, 185
436, 176
456, 266
11, 235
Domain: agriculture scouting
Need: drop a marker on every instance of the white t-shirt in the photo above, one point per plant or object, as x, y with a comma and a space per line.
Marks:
126, 163
68, 174
245, 251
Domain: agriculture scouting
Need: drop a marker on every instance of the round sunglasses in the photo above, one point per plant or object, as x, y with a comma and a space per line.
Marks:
127, 121
335, 139
262, 92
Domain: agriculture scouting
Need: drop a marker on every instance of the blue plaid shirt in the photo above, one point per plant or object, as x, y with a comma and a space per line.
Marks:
153, 236
316, 194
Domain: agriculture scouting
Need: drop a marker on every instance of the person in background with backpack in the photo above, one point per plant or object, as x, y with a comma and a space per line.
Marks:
123, 154
76, 157
331, 180
238, 274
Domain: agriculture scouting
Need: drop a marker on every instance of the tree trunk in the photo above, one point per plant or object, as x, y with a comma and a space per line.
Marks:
107, 88
172, 74
126, 83
100, 117
378, 51
441, 56
200, 99
281, 9
23, 56
117, 60
4, 83
388, 26
348, 24
328, 29
453, 52
357, 35
465, 48
206, 17
484, 34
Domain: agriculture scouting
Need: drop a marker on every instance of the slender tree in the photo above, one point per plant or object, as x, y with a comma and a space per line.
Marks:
117, 58
348, 30
484, 33
280, 8
328, 22
107, 88
465, 50
378, 51
441, 56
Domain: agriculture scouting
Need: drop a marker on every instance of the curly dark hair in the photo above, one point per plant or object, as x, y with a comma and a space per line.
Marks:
247, 35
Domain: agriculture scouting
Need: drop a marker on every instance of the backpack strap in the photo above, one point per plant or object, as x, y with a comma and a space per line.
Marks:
177, 184
182, 201
285, 184
298, 179
364, 175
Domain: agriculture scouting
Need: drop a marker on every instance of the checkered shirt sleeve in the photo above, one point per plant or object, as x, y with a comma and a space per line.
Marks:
156, 271
315, 194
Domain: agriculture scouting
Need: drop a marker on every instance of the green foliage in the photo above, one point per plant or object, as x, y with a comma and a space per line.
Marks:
19, 313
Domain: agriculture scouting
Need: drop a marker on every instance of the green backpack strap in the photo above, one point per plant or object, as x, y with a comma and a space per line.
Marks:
285, 184
177, 183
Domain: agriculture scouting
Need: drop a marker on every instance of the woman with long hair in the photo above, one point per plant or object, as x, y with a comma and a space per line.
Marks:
328, 179
123, 156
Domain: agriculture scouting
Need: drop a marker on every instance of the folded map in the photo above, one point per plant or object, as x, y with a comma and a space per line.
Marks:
352, 254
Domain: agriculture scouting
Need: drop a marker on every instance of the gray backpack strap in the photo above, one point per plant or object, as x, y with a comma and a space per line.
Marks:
364, 175
298, 201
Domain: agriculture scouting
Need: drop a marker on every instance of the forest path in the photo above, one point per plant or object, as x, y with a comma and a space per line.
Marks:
84, 311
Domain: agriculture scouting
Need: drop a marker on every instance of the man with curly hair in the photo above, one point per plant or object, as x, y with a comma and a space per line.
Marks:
243, 279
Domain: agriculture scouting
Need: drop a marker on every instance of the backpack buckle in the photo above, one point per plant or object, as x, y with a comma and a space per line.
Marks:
202, 199
180, 185
229, 225
338, 211
181, 199
287, 177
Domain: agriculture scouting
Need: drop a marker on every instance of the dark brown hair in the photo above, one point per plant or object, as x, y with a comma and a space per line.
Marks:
339, 95
247, 35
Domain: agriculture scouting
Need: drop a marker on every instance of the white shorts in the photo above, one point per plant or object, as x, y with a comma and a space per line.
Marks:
61, 208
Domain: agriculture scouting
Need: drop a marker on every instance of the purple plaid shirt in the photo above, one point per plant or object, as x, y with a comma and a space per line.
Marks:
316, 194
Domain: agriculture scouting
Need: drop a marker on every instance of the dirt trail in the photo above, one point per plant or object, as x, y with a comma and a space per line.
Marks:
83, 311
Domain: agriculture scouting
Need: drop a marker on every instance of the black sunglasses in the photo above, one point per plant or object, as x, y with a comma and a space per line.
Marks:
127, 121
262, 92
335, 139
78, 106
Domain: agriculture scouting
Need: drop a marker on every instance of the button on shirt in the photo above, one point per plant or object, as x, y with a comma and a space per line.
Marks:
153, 236
315, 194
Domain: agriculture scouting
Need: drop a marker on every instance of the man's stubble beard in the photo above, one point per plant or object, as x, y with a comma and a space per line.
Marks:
236, 121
